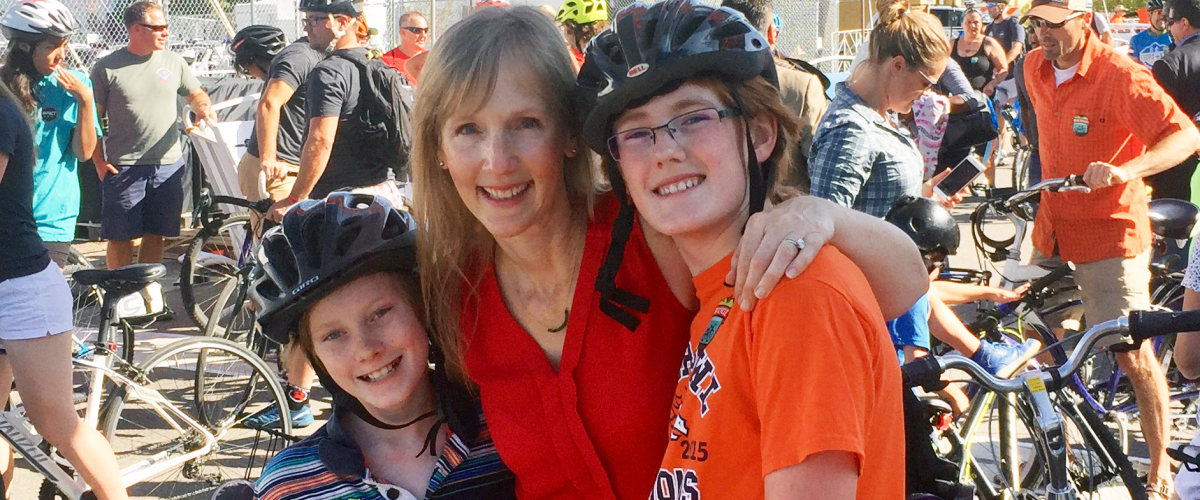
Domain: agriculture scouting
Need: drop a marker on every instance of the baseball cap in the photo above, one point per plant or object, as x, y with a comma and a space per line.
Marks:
1057, 11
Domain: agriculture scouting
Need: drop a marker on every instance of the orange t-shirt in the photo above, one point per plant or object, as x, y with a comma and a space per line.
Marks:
811, 369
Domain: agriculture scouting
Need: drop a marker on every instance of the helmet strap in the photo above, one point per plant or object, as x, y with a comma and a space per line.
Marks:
757, 173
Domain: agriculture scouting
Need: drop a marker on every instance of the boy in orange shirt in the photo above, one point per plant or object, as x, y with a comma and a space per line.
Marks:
799, 397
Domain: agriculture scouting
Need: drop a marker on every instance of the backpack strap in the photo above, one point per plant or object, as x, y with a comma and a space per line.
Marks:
366, 85
807, 67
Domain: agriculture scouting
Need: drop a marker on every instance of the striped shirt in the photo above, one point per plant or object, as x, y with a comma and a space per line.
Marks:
330, 465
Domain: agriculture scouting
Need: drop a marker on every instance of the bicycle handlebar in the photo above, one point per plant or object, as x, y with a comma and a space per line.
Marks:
1054, 275
260, 206
1068, 183
1139, 325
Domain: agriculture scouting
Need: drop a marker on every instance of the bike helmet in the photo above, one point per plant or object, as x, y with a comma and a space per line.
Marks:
256, 43
583, 11
1153, 5
649, 48
344, 7
321, 245
927, 222
36, 20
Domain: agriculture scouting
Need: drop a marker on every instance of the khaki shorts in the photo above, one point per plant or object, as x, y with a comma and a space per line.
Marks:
277, 189
1110, 288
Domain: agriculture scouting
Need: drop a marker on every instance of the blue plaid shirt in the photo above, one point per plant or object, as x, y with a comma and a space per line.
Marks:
861, 161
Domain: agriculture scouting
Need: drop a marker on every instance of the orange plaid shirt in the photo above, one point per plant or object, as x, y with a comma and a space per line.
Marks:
1107, 112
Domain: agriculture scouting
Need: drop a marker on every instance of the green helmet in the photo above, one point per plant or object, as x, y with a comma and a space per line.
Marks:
583, 11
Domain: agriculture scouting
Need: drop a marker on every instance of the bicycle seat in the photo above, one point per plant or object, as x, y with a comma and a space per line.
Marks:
1173, 219
122, 281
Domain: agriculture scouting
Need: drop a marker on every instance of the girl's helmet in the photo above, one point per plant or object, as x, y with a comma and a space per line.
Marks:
256, 43
36, 20
583, 11
648, 48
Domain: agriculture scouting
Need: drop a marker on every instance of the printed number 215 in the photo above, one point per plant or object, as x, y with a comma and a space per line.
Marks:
694, 450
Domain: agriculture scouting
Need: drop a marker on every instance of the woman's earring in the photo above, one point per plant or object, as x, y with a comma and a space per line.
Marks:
441, 163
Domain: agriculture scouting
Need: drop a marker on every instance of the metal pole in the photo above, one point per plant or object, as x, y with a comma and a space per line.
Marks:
253, 12
432, 21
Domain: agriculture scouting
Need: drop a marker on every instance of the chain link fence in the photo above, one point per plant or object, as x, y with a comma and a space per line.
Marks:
201, 29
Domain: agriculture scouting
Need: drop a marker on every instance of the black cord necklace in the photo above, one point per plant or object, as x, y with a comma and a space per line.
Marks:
563, 326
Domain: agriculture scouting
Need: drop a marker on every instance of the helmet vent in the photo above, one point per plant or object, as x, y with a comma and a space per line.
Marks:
647, 38
727, 30
346, 239
687, 28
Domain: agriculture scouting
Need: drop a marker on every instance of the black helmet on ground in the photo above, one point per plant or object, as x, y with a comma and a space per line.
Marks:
927, 222
259, 42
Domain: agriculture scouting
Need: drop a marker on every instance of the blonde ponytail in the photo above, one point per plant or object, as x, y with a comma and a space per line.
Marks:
914, 35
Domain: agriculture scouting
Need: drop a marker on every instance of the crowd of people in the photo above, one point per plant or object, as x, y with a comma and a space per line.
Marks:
544, 300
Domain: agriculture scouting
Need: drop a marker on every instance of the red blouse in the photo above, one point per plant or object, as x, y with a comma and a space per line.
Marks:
594, 429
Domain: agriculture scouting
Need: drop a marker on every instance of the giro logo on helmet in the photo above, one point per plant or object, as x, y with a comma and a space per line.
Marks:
304, 285
637, 70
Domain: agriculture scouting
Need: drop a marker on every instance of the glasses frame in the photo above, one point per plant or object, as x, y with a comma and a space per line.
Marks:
415, 30
1035, 22
157, 28
614, 147
929, 82
309, 21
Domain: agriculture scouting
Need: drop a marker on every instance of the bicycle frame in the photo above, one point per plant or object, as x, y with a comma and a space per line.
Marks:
14, 428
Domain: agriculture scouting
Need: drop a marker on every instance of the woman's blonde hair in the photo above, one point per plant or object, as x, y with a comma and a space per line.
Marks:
462, 70
916, 36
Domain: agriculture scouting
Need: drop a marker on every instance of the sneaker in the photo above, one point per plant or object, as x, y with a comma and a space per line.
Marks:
1003, 360
270, 419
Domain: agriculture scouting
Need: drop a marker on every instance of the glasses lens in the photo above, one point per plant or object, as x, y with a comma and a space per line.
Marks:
415, 30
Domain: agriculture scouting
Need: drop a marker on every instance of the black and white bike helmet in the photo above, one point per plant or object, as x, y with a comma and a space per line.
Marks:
927, 222
37, 20
648, 49
259, 42
320, 245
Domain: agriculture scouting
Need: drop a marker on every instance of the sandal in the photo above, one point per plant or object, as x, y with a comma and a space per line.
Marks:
1162, 489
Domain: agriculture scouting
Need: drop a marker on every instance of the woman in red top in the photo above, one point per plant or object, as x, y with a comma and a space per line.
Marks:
798, 398
575, 367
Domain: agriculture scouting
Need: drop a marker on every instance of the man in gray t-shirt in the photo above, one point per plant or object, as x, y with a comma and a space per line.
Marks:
139, 162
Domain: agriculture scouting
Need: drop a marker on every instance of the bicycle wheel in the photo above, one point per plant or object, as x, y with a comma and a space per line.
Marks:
1098, 467
1004, 456
212, 260
233, 405
160, 437
1020, 168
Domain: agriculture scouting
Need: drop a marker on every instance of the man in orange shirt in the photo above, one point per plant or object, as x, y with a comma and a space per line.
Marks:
414, 35
1102, 115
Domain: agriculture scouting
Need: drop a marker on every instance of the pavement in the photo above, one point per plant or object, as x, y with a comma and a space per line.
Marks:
27, 482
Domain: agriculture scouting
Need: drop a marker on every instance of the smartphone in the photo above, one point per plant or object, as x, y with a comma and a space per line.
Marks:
966, 171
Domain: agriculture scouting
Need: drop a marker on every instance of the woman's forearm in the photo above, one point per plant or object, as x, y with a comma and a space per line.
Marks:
887, 257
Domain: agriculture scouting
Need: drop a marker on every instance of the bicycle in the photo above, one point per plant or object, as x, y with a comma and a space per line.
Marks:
1058, 467
214, 258
163, 450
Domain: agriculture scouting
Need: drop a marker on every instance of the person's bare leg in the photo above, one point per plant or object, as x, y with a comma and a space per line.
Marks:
118, 254
945, 326
42, 368
151, 251
1151, 392
299, 372
6, 379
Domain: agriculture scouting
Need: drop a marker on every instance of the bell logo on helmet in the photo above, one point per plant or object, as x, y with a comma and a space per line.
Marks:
637, 70
304, 285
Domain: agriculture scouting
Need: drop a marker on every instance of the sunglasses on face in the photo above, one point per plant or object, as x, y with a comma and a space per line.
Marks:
415, 30
157, 28
1036, 23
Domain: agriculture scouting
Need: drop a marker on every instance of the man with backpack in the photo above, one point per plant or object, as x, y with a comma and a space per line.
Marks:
353, 120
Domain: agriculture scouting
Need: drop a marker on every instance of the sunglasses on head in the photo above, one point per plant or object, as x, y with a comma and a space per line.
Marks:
1037, 22
415, 30
157, 28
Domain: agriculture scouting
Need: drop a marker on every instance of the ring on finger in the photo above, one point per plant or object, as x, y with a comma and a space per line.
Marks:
796, 242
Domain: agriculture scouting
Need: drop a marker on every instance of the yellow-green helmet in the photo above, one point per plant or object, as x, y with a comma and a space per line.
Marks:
583, 11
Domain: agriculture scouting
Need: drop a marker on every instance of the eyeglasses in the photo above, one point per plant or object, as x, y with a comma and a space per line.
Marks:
312, 21
682, 129
1035, 22
929, 82
415, 30
157, 28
